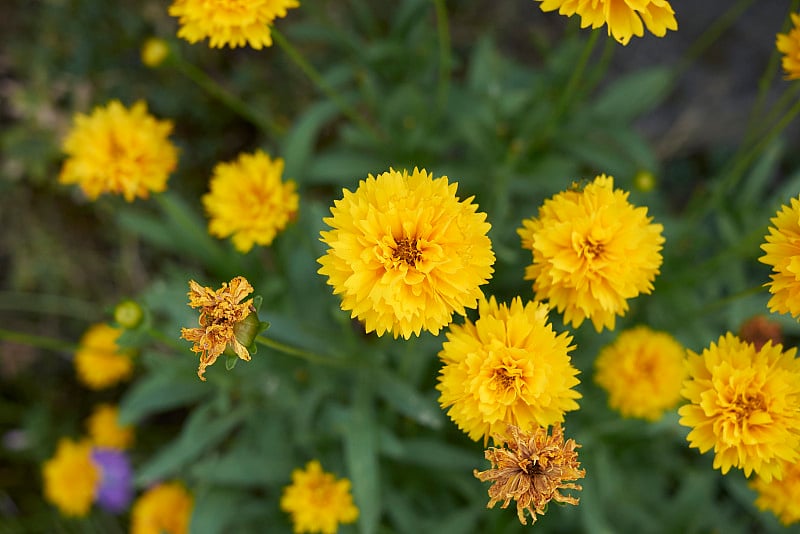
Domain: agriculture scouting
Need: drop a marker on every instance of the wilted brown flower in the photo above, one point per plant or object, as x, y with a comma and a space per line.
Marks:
758, 330
531, 468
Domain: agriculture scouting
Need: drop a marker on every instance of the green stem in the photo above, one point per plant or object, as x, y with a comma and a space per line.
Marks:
310, 357
577, 75
725, 301
777, 110
37, 341
443, 31
317, 79
166, 340
49, 304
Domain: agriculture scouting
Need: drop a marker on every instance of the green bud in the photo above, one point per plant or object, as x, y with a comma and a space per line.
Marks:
128, 314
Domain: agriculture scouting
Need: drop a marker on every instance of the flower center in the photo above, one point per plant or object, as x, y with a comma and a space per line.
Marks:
744, 406
591, 249
407, 251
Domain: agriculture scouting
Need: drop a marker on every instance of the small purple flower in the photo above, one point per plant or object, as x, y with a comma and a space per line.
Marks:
116, 479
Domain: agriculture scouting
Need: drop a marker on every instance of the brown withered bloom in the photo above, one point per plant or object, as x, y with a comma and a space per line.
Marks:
758, 330
221, 314
531, 468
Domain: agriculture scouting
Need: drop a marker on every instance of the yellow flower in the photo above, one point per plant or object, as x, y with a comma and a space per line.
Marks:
405, 253
249, 201
789, 45
642, 371
119, 151
163, 509
781, 497
222, 311
229, 22
317, 501
99, 361
783, 254
71, 478
105, 430
592, 250
623, 17
745, 404
154, 51
531, 469
508, 368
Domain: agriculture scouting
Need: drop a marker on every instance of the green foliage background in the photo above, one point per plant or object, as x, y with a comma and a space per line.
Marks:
503, 115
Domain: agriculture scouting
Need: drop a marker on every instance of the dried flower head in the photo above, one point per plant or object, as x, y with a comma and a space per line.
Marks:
99, 362
592, 251
781, 497
789, 45
783, 254
759, 329
162, 509
71, 478
317, 501
221, 311
745, 404
532, 468
405, 253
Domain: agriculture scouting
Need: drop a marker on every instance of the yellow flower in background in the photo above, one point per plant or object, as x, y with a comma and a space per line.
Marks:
119, 151
163, 509
643, 372
745, 404
781, 497
99, 361
221, 313
789, 45
71, 478
624, 18
532, 468
317, 501
249, 201
154, 52
592, 250
783, 255
104, 428
229, 22
507, 368
405, 253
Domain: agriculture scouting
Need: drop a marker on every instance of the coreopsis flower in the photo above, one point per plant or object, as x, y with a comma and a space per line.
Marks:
229, 22
759, 329
745, 404
781, 497
162, 509
249, 201
99, 362
71, 478
119, 151
507, 368
789, 45
783, 255
317, 501
624, 18
643, 372
532, 468
104, 428
405, 253
225, 321
592, 251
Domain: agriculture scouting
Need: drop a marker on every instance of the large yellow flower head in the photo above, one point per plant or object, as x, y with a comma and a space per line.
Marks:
789, 45
104, 428
119, 151
507, 368
405, 252
249, 201
592, 250
71, 478
783, 255
625, 18
745, 403
317, 501
642, 371
163, 509
99, 361
781, 497
229, 22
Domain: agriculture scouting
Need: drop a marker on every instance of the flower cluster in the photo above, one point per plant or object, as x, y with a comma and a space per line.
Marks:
317, 501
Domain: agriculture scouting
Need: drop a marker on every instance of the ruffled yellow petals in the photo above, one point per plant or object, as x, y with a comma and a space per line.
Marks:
162, 509
105, 430
782, 253
71, 479
99, 362
317, 501
788, 44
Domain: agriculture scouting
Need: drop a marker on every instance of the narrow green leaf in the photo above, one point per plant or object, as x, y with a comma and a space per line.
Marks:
408, 401
631, 95
159, 393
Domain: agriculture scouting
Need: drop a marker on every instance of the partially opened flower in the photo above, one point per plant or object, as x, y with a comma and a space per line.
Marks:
532, 468
781, 497
249, 201
745, 404
99, 361
119, 151
162, 509
643, 372
229, 22
105, 430
226, 321
624, 18
592, 251
789, 45
782, 253
317, 501
405, 253
507, 368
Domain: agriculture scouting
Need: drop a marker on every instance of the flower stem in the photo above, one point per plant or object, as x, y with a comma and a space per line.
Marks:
443, 30
166, 340
577, 75
310, 357
37, 341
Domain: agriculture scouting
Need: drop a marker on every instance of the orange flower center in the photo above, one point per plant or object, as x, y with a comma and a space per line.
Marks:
407, 251
590, 248
743, 406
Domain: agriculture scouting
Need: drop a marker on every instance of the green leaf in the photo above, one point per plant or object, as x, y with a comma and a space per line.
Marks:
633, 94
299, 143
230, 361
159, 393
408, 401
219, 510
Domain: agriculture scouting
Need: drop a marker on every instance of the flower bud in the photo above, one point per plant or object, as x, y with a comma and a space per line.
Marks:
154, 52
128, 314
